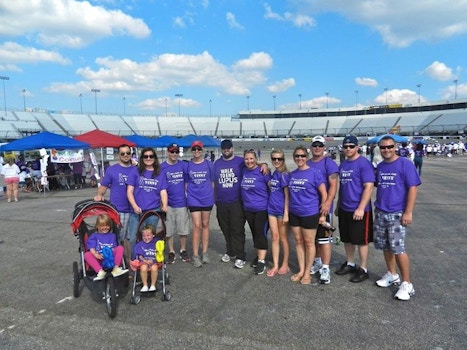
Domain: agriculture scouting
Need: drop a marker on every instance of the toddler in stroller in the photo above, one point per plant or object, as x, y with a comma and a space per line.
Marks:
148, 253
103, 250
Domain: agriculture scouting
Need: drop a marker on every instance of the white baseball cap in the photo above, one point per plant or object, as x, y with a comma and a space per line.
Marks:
319, 138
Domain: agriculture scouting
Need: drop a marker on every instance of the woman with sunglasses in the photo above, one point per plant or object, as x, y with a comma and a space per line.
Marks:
255, 195
200, 200
307, 190
278, 213
146, 190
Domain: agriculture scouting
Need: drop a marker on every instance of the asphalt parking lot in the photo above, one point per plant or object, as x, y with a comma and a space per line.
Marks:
219, 307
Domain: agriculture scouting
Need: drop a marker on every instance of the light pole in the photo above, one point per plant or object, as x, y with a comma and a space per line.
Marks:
179, 98
210, 107
81, 103
124, 105
386, 95
356, 98
300, 101
455, 89
4, 94
166, 107
274, 97
95, 97
327, 99
24, 98
419, 86
248, 103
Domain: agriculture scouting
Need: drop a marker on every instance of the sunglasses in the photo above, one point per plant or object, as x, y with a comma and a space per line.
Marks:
174, 152
277, 159
320, 145
125, 153
349, 146
299, 155
387, 147
149, 156
196, 149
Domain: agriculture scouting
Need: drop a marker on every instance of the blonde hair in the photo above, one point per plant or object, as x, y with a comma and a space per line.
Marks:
283, 167
103, 220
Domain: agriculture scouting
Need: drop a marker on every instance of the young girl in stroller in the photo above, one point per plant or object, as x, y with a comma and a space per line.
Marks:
103, 248
148, 253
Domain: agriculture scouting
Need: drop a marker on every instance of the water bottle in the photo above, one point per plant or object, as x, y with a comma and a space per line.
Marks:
328, 226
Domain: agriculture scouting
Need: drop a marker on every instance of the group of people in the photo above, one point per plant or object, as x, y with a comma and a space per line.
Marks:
245, 190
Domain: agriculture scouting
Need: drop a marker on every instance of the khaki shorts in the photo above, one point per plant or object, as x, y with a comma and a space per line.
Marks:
177, 222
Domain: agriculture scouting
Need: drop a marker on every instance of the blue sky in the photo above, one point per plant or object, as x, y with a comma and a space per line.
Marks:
224, 56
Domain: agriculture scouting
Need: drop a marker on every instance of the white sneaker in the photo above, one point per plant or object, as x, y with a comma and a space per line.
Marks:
325, 276
152, 288
144, 289
315, 268
100, 276
225, 258
117, 271
388, 279
240, 264
405, 291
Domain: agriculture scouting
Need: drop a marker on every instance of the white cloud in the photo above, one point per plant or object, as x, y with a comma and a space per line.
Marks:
281, 86
12, 54
399, 22
366, 82
298, 20
169, 70
162, 102
66, 23
179, 22
230, 17
396, 96
439, 71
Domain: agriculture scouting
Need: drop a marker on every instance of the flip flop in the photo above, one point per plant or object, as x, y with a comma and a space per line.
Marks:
283, 272
296, 278
305, 280
271, 273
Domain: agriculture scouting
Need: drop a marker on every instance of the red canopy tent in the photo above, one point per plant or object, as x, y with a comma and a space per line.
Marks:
100, 139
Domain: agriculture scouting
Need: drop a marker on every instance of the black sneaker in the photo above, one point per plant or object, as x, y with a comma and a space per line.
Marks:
346, 269
260, 268
254, 263
171, 258
184, 256
359, 276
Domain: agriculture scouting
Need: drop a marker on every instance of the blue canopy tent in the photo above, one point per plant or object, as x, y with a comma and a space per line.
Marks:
142, 141
166, 140
396, 138
44, 140
208, 141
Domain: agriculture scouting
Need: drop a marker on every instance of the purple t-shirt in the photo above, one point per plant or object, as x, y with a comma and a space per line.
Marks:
115, 179
326, 167
175, 177
353, 174
303, 191
199, 179
228, 175
147, 190
394, 180
145, 250
100, 240
277, 184
255, 191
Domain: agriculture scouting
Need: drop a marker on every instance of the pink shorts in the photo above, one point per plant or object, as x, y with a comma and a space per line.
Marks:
11, 180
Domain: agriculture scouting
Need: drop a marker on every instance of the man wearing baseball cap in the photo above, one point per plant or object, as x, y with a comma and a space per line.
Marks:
357, 179
177, 219
330, 171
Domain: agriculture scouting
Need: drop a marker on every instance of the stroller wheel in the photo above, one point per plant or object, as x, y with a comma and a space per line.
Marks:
167, 296
76, 280
135, 299
111, 297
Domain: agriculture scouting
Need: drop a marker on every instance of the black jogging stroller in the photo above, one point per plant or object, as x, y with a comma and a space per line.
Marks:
109, 288
163, 275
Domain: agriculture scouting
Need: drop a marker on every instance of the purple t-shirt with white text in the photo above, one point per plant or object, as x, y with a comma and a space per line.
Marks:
326, 167
353, 174
394, 180
145, 250
147, 190
228, 176
199, 179
115, 179
255, 192
303, 192
277, 184
175, 177
100, 240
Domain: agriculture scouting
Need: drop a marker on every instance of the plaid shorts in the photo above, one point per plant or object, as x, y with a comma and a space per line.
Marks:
389, 233
123, 233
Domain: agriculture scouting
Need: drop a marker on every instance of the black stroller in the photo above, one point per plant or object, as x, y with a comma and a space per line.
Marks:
110, 288
163, 275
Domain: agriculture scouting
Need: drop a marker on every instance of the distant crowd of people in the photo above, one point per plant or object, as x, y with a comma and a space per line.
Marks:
301, 201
